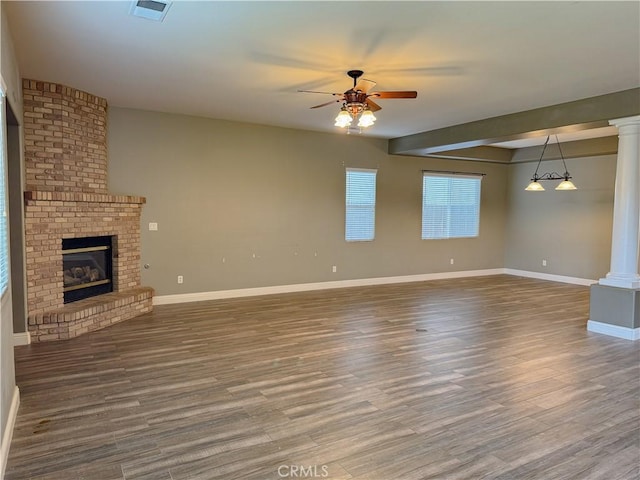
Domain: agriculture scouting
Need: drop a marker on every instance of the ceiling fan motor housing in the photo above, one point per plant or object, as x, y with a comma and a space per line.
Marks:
352, 96
354, 101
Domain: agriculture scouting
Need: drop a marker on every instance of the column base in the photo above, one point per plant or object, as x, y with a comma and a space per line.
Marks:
621, 280
614, 311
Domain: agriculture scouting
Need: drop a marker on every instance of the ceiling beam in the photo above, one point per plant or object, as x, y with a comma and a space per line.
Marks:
593, 112
481, 154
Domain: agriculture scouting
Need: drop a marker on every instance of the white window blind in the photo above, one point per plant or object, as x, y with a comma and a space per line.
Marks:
450, 205
360, 218
4, 243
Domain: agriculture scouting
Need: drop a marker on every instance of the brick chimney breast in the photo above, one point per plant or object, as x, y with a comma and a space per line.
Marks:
65, 156
65, 139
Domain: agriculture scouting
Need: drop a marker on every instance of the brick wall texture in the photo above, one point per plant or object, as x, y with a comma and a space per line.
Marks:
65, 138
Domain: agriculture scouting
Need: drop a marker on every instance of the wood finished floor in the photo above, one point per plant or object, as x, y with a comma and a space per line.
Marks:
490, 377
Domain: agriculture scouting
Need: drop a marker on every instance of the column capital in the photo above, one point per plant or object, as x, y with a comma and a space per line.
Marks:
621, 122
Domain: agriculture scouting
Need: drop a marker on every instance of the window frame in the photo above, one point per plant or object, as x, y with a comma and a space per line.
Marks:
450, 205
370, 206
5, 278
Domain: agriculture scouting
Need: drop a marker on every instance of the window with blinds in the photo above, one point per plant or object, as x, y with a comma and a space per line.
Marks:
360, 218
450, 205
4, 244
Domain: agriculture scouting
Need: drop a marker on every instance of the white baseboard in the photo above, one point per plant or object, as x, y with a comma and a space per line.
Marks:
550, 277
7, 435
305, 287
613, 330
22, 338
361, 282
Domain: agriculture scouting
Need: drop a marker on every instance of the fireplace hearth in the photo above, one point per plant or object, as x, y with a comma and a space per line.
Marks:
87, 267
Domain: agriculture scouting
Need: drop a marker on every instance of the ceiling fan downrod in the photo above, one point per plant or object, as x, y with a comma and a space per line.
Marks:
355, 74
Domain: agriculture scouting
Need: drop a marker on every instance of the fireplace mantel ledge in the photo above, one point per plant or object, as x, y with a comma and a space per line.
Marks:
46, 196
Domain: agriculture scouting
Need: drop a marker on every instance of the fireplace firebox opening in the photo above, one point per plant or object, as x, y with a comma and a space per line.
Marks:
87, 267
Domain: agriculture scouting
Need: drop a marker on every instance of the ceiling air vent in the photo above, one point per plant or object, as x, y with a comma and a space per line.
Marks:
150, 9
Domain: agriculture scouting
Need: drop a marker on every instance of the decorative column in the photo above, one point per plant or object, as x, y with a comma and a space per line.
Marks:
626, 207
615, 299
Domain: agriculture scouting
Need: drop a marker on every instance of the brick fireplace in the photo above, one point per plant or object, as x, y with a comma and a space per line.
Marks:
66, 197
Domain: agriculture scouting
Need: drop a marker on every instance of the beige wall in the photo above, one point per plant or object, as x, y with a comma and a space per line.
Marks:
571, 230
222, 192
9, 67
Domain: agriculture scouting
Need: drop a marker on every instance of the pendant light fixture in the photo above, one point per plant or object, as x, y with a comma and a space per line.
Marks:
565, 185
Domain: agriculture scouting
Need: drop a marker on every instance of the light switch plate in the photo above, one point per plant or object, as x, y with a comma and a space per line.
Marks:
153, 226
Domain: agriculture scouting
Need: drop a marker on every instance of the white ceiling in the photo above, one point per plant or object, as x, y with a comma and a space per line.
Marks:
245, 61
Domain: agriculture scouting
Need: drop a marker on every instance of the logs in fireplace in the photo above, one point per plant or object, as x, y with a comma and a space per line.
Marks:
87, 265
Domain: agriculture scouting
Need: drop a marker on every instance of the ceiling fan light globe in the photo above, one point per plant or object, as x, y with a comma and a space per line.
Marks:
366, 119
343, 119
368, 114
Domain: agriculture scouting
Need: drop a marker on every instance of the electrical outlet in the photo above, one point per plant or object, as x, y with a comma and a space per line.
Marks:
153, 227
334, 269
451, 261
544, 263
180, 279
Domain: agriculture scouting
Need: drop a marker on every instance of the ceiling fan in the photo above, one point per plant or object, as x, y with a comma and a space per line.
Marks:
358, 101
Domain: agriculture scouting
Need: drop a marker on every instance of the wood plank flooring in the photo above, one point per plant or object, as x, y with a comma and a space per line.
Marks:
489, 377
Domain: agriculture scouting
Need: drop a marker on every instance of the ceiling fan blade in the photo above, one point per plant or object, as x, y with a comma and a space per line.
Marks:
364, 85
325, 104
314, 91
399, 94
373, 106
